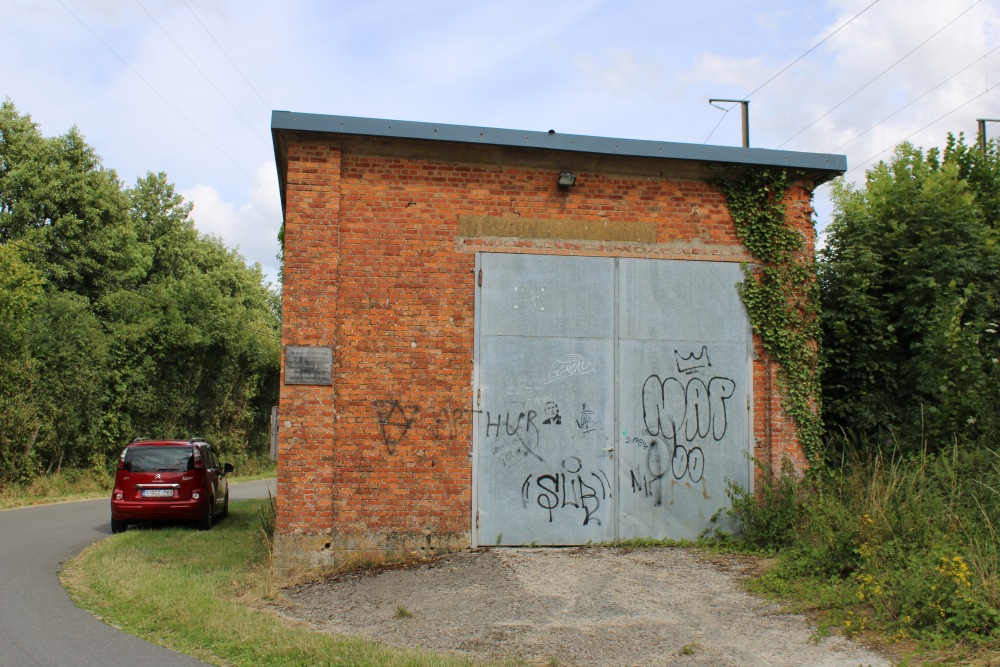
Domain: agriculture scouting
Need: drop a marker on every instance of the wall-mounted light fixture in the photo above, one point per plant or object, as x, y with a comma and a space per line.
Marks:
567, 179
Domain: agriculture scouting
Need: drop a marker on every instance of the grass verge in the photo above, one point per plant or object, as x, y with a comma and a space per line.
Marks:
56, 488
204, 593
71, 484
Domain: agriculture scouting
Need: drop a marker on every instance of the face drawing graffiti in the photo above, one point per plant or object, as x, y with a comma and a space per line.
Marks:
552, 414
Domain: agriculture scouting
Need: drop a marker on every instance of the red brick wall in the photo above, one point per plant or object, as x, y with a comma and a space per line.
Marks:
404, 352
309, 317
375, 268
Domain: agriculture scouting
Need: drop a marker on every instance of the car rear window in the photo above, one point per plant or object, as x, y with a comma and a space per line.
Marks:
159, 459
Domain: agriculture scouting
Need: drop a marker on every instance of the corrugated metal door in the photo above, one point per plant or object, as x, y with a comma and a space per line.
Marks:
683, 409
545, 334
611, 397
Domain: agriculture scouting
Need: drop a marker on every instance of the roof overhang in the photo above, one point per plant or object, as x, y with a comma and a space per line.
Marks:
572, 148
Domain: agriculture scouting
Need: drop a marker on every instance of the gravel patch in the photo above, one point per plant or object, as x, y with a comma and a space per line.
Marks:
582, 606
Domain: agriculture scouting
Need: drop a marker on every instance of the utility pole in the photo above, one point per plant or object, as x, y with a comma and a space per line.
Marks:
982, 132
745, 113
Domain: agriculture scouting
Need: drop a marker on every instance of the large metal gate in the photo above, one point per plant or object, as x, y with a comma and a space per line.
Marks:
611, 395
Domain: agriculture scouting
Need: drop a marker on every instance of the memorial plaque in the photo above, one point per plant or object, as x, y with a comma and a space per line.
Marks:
308, 365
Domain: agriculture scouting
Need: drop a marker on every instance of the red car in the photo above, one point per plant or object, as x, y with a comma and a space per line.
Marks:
169, 480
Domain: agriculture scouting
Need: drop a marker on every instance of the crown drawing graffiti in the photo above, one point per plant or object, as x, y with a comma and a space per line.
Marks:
691, 362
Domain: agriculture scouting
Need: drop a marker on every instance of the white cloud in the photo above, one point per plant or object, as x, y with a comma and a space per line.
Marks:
871, 85
643, 69
251, 226
819, 89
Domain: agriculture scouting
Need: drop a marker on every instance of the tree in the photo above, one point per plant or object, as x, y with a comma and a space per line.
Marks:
20, 294
57, 198
69, 358
910, 277
117, 318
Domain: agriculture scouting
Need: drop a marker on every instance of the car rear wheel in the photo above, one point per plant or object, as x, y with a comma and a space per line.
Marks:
118, 525
225, 507
205, 522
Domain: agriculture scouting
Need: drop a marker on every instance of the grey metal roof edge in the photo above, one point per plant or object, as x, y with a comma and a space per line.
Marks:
403, 129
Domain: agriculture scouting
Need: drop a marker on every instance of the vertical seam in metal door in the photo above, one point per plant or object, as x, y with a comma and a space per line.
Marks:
614, 435
751, 434
477, 327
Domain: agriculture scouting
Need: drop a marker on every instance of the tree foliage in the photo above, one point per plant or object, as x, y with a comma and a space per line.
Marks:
117, 318
910, 280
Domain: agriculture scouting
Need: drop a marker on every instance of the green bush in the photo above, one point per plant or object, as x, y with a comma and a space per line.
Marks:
909, 275
906, 542
769, 520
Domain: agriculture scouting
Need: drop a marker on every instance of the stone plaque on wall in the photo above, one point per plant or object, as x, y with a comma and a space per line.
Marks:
308, 365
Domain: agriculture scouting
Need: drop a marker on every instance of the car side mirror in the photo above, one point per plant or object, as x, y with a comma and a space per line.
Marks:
228, 468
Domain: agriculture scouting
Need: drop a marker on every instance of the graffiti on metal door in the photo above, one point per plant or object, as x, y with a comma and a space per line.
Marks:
683, 411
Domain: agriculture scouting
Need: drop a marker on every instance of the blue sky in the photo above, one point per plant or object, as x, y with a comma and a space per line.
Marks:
187, 86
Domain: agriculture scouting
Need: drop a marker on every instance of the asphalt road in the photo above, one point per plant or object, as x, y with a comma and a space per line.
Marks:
39, 624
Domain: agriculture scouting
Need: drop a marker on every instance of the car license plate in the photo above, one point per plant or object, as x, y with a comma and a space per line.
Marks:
157, 493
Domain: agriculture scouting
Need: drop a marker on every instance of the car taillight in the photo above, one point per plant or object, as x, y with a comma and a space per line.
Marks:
119, 495
198, 461
195, 495
121, 459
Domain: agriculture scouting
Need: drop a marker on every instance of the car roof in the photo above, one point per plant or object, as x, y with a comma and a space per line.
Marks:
175, 443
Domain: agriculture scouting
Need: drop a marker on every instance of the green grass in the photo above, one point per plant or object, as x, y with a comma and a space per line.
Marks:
57, 487
204, 593
901, 551
689, 649
70, 484
251, 468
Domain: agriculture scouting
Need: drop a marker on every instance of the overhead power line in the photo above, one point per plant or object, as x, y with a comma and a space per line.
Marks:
208, 139
916, 99
163, 97
814, 47
202, 72
880, 74
913, 134
789, 66
231, 61
725, 112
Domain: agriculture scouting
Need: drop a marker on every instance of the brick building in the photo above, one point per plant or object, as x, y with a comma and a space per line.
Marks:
508, 337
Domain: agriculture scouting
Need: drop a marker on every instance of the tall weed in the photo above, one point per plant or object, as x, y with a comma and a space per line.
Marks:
911, 542
769, 520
